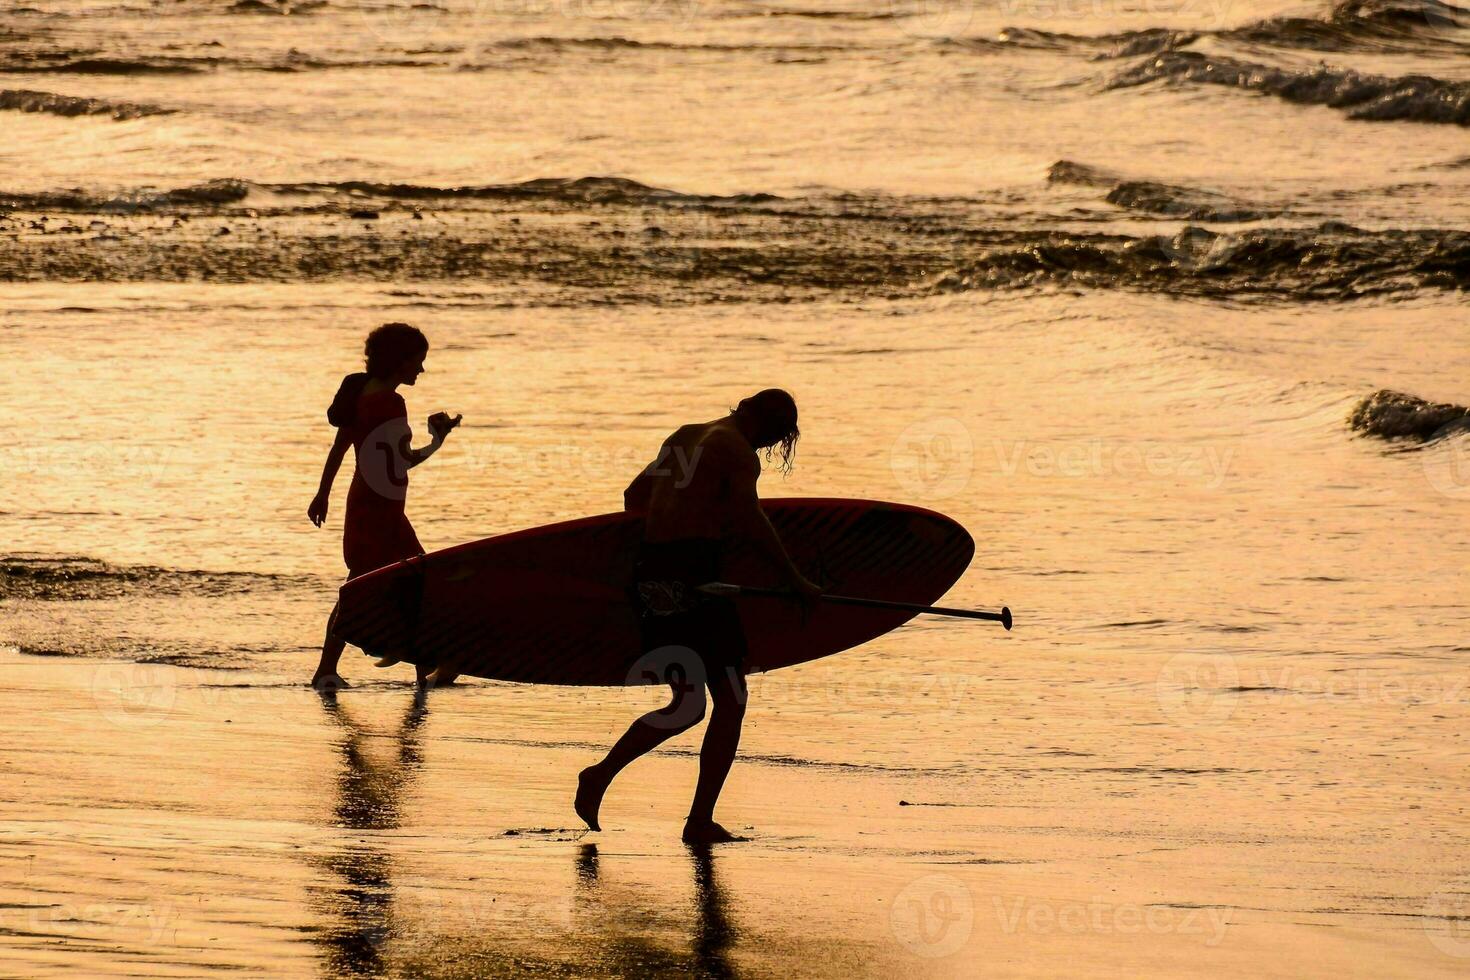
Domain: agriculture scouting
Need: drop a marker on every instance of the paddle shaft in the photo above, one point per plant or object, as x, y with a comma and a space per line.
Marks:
724, 588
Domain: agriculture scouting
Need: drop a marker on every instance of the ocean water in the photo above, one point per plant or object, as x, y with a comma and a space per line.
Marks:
1103, 281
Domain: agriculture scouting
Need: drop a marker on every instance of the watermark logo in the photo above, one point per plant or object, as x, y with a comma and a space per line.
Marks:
1196, 249
687, 243
118, 924
1197, 689
683, 671
134, 695
1446, 460
434, 26
409, 25
1207, 464
382, 460
111, 463
470, 911
1447, 919
934, 18
933, 916
944, 693
1099, 917
934, 458
1444, 19
1204, 13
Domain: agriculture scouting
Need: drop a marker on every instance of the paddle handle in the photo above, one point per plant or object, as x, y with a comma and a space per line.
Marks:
727, 589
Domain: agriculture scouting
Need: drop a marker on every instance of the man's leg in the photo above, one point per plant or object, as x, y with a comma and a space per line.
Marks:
721, 739
683, 712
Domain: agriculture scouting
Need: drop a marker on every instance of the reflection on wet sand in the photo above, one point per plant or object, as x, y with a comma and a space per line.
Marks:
369, 797
631, 953
713, 931
366, 931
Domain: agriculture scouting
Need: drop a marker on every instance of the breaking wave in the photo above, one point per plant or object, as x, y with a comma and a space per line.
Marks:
1418, 98
1395, 415
614, 43
639, 243
217, 193
685, 259
1330, 262
1159, 199
73, 64
1125, 44
857, 15
211, 194
1423, 26
579, 190
24, 100
73, 577
1400, 26
67, 62
277, 7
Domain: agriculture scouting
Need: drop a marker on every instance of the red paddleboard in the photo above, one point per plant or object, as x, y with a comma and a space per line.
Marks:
549, 605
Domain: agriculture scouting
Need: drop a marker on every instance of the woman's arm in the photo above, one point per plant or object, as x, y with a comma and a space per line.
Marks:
318, 509
413, 457
440, 425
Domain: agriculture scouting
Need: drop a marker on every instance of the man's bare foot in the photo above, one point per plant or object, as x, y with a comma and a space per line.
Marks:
329, 682
708, 832
590, 787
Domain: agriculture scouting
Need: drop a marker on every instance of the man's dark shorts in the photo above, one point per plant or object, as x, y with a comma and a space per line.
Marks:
672, 612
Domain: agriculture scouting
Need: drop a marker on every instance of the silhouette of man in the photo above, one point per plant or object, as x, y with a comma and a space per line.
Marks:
699, 493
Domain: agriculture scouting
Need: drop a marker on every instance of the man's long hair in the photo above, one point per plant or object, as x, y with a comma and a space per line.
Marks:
775, 413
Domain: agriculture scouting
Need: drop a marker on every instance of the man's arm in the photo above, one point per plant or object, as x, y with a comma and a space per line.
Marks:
638, 494
743, 469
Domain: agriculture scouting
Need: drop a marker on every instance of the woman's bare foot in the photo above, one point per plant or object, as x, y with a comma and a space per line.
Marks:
590, 786
328, 682
438, 677
708, 832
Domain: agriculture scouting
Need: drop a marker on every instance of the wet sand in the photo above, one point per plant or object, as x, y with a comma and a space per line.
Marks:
165, 821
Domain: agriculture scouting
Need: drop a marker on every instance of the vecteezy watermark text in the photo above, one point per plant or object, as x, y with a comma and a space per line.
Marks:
936, 458
1207, 463
1101, 917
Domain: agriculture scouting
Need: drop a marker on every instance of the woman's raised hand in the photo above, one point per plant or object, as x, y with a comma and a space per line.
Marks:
440, 424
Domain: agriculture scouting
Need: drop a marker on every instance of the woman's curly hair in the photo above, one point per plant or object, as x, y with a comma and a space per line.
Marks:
385, 349
390, 345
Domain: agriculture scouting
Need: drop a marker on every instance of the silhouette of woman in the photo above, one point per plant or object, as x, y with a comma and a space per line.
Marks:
371, 417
